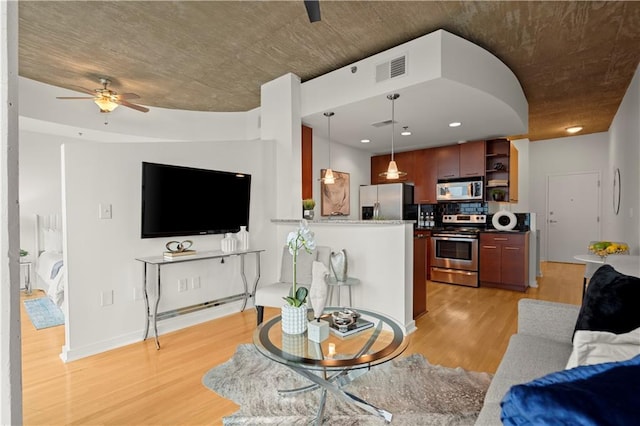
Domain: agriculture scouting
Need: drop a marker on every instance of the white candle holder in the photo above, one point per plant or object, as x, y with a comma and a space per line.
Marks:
317, 331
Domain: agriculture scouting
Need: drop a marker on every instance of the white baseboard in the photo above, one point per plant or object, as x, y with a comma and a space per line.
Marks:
165, 326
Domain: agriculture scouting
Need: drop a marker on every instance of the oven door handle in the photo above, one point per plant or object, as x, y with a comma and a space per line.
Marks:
454, 238
453, 271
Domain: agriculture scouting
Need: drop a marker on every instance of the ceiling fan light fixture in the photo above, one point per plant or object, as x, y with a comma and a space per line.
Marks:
105, 103
406, 131
455, 124
573, 129
392, 172
365, 140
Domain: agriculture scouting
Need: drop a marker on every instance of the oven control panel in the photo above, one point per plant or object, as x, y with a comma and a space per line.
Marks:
473, 219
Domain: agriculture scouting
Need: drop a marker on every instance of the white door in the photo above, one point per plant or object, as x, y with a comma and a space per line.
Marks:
572, 214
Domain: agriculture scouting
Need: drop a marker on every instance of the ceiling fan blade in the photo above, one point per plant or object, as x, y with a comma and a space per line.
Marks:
313, 10
128, 96
72, 97
82, 89
134, 106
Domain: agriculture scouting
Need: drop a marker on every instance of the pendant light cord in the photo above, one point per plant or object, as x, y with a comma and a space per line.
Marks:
393, 126
329, 115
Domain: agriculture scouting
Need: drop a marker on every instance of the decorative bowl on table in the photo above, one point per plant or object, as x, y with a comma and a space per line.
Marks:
605, 248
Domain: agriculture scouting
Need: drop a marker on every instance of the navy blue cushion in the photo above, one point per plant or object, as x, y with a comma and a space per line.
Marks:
600, 394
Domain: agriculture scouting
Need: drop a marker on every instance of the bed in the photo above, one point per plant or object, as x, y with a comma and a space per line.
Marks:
49, 268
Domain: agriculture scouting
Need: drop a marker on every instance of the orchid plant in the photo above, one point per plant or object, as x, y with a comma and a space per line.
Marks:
300, 238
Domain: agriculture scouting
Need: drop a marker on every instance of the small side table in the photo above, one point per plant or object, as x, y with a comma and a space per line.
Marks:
332, 282
27, 265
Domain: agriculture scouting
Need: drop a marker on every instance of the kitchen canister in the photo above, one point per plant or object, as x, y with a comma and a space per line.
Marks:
229, 243
243, 238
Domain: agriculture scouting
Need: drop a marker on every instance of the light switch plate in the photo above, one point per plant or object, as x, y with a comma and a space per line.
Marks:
106, 298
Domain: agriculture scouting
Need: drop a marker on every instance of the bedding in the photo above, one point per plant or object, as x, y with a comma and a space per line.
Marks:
51, 271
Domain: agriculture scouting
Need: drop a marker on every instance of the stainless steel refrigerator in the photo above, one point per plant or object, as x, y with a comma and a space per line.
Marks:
390, 201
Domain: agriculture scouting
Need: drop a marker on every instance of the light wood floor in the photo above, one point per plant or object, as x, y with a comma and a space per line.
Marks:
137, 385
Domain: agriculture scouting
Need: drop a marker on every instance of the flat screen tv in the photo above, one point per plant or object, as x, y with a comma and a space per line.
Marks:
187, 201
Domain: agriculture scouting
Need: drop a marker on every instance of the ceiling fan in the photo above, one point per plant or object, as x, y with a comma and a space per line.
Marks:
313, 10
107, 99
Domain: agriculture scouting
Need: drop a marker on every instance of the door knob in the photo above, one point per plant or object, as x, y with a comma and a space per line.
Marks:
553, 221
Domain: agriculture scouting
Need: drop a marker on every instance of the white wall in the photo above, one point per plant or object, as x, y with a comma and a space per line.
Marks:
38, 101
624, 153
40, 185
100, 254
588, 153
343, 159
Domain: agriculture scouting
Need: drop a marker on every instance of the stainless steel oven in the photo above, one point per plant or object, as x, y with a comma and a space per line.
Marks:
454, 250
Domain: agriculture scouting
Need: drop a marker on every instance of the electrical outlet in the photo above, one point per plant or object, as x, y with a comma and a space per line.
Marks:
182, 285
106, 298
104, 211
195, 282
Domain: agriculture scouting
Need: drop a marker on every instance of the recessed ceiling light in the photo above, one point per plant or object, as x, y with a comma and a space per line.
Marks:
574, 129
406, 131
365, 140
455, 124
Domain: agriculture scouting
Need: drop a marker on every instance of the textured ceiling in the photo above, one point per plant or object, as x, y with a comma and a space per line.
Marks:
574, 60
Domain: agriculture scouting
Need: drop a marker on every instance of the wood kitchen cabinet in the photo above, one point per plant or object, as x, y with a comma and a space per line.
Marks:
420, 268
426, 178
379, 164
404, 160
448, 161
504, 260
472, 159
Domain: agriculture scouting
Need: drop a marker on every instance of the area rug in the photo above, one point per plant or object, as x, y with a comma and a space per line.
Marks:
43, 313
414, 391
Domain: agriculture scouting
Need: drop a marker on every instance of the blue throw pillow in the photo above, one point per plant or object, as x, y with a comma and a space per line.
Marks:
600, 394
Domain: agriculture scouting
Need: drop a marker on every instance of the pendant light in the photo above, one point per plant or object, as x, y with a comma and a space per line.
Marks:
392, 172
328, 178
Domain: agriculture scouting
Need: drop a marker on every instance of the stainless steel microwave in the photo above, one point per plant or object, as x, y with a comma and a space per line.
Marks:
466, 190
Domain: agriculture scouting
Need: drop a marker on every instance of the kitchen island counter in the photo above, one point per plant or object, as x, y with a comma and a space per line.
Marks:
345, 222
379, 254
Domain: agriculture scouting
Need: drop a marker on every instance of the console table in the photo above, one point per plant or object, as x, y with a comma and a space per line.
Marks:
159, 261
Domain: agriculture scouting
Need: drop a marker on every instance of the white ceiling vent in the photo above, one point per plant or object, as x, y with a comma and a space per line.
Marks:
394, 68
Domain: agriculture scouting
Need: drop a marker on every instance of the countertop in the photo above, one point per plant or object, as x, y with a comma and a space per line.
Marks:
345, 222
485, 230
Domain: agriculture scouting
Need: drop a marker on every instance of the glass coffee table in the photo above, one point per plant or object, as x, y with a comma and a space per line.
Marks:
335, 362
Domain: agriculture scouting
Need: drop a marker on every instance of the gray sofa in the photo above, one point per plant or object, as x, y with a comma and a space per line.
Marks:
541, 346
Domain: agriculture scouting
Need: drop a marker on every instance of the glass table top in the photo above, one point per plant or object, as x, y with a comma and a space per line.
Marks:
375, 345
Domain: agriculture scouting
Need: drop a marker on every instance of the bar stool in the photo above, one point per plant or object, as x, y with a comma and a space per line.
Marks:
332, 282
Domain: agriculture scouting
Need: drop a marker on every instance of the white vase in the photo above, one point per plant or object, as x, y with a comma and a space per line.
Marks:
243, 238
229, 243
294, 320
293, 344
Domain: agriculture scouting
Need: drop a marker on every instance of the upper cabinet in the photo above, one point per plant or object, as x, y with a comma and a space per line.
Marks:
496, 160
380, 163
448, 161
425, 176
472, 160
501, 171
